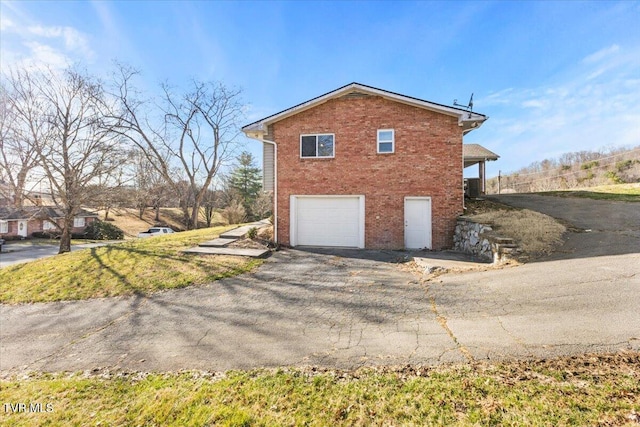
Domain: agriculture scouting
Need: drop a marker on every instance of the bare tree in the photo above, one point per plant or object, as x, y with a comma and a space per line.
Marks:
142, 181
73, 148
17, 150
262, 206
194, 131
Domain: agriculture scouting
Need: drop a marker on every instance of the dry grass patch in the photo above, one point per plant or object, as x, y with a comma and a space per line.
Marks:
615, 192
134, 267
536, 234
128, 220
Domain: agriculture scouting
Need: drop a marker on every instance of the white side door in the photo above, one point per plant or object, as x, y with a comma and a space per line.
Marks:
417, 222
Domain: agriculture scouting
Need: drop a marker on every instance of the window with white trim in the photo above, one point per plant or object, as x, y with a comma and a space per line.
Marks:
4, 227
78, 222
317, 146
386, 141
48, 225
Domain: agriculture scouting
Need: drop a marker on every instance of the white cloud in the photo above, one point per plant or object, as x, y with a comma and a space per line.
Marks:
6, 24
74, 40
44, 54
601, 54
25, 42
535, 103
591, 107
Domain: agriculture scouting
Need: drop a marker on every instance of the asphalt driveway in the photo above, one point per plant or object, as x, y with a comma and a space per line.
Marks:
344, 309
26, 251
298, 308
596, 227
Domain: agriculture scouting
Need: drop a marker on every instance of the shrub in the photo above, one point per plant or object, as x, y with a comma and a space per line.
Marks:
623, 165
235, 213
52, 234
100, 230
253, 233
614, 177
589, 165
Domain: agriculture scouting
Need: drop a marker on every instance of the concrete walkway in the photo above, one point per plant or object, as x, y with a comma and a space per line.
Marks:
219, 246
21, 252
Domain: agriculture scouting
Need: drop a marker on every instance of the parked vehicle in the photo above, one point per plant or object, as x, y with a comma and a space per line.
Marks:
156, 231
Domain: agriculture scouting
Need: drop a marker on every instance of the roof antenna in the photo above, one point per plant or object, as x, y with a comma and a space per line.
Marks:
468, 107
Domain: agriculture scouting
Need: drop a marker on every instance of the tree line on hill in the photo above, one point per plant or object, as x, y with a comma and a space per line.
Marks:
87, 142
579, 169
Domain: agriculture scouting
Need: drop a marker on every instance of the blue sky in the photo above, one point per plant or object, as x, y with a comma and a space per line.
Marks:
553, 76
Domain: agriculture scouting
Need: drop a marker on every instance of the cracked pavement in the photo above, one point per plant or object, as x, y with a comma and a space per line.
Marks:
345, 309
299, 308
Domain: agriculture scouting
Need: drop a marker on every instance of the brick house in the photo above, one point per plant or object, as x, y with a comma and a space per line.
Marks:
23, 222
367, 168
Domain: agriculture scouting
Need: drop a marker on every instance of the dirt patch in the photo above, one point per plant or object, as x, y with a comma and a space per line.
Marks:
262, 240
247, 243
536, 234
480, 206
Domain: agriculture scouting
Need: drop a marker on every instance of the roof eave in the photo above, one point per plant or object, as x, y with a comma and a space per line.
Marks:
467, 120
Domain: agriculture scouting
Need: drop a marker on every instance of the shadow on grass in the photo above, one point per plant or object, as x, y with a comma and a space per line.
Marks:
121, 277
210, 269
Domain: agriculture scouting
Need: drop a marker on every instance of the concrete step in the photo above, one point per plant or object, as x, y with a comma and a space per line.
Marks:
217, 243
240, 232
253, 253
236, 233
503, 240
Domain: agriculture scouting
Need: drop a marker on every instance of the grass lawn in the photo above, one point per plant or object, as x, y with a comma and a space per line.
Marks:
617, 192
134, 267
586, 390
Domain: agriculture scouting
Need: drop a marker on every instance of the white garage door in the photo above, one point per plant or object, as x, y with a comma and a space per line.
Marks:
327, 221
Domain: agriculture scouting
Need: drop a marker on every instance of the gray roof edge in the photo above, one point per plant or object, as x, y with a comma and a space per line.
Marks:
478, 152
258, 125
35, 212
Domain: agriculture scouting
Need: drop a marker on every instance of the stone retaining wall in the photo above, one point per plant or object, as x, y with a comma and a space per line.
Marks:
476, 238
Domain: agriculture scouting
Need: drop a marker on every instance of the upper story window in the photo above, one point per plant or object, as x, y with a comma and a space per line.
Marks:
78, 222
386, 141
317, 146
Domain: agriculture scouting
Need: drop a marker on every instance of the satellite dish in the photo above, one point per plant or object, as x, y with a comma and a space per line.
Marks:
468, 107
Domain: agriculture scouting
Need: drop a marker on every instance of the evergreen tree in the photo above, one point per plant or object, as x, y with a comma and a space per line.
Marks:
246, 180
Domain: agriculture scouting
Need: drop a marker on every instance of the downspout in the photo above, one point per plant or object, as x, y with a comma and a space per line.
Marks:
275, 187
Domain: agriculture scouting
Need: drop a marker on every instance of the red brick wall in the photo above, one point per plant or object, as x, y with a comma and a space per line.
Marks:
427, 162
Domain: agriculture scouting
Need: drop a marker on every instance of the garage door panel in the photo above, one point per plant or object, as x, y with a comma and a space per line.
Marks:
328, 221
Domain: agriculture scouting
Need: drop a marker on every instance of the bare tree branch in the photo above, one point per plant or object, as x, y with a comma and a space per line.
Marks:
64, 114
195, 130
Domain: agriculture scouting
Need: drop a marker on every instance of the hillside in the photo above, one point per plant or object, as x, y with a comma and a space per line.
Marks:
582, 169
127, 219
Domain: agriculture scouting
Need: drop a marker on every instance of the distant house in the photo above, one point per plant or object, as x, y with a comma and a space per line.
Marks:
29, 198
366, 168
23, 222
